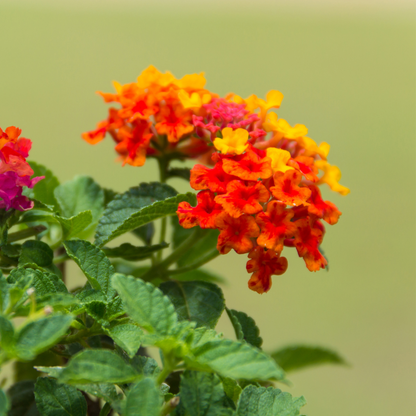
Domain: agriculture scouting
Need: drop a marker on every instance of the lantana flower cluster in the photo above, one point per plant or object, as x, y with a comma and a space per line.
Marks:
15, 171
259, 178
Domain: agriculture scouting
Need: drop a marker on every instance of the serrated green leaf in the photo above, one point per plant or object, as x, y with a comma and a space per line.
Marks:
199, 274
105, 391
201, 302
202, 335
4, 403
245, 327
114, 309
297, 357
235, 360
22, 399
262, 401
126, 335
94, 264
44, 189
58, 301
37, 253
6, 333
75, 225
202, 394
97, 366
145, 365
53, 399
97, 309
143, 399
37, 336
137, 207
129, 252
146, 304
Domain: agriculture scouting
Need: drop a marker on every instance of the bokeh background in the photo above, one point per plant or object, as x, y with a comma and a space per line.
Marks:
347, 71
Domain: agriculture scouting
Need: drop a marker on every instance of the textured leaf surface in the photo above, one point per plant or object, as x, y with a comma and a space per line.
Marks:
202, 335
245, 327
143, 399
75, 225
197, 301
146, 304
105, 391
36, 252
127, 336
39, 335
259, 401
129, 252
4, 403
93, 262
145, 365
297, 357
137, 207
47, 283
53, 399
22, 399
237, 360
97, 366
202, 394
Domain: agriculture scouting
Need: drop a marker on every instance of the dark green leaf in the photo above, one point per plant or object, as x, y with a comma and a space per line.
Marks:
259, 401
97, 366
47, 283
55, 399
137, 207
4, 403
143, 399
6, 334
202, 394
22, 399
145, 233
296, 357
97, 309
235, 360
245, 327
231, 388
44, 189
25, 370
109, 195
145, 365
125, 335
132, 253
197, 301
184, 173
37, 253
145, 304
37, 336
93, 262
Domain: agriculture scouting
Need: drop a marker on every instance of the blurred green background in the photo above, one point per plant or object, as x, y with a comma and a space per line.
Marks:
348, 76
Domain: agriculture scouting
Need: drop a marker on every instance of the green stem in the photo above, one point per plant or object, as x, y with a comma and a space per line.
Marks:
169, 406
26, 233
210, 256
105, 410
61, 258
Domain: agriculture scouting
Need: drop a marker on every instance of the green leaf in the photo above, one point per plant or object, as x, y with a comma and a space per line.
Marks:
202, 335
259, 401
97, 366
94, 264
78, 195
146, 304
37, 336
129, 252
75, 225
231, 388
97, 309
44, 189
138, 207
47, 283
245, 327
4, 403
201, 302
296, 357
25, 370
105, 391
145, 365
199, 274
202, 394
22, 399
235, 360
184, 173
37, 253
55, 399
126, 335
6, 334
143, 399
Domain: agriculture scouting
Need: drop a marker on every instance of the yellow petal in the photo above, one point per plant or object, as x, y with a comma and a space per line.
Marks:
279, 159
233, 141
331, 176
274, 99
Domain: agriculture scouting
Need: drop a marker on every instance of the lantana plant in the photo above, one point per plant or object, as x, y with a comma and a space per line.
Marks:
139, 338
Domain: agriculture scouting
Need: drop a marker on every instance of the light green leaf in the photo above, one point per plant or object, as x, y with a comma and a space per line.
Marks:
245, 327
202, 394
235, 360
201, 302
202, 335
259, 401
105, 391
231, 388
37, 253
43, 190
129, 252
94, 264
125, 335
6, 334
145, 304
297, 357
53, 399
22, 399
80, 194
143, 399
137, 207
75, 225
4, 403
97, 366
145, 365
37, 336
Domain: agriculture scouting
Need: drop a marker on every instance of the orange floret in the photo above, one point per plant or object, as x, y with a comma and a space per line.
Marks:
174, 122
214, 179
322, 209
287, 189
275, 226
